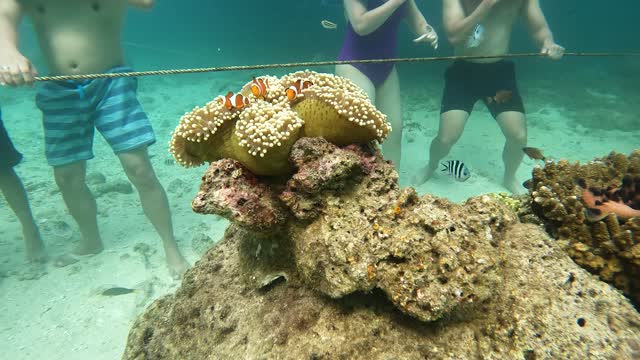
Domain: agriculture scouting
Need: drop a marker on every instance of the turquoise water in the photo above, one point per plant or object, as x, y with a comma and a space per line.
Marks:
578, 108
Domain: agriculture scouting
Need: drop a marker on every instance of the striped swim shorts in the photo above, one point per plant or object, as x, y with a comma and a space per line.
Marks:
71, 111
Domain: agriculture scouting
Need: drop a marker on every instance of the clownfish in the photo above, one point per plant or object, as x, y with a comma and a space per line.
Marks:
296, 89
259, 87
233, 101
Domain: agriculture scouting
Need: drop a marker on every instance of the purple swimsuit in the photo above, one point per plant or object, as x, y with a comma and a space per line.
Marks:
380, 44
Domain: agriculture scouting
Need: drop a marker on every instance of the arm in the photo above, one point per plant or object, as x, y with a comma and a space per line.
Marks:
364, 21
416, 20
142, 4
15, 69
457, 26
419, 25
539, 29
10, 15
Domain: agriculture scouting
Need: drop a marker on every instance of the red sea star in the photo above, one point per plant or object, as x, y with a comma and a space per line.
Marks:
623, 202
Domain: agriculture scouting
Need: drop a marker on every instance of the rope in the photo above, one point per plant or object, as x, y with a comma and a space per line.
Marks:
314, 63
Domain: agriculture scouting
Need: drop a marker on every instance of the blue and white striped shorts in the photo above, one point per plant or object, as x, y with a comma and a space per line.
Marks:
71, 111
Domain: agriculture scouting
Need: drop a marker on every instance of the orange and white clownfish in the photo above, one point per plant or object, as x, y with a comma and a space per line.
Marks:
259, 87
233, 101
296, 89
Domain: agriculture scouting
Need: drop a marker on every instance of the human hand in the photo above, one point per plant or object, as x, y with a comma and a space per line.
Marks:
429, 36
16, 70
552, 50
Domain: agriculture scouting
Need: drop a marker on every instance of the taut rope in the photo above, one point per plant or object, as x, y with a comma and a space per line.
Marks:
316, 63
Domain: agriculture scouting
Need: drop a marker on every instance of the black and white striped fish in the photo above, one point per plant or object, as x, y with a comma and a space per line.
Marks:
457, 170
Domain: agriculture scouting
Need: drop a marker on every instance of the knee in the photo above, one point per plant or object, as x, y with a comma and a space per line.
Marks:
519, 138
68, 180
446, 141
143, 178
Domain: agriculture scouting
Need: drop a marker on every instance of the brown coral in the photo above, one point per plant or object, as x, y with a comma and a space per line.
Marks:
606, 247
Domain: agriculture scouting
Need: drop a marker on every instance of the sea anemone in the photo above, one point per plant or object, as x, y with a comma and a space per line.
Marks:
267, 132
260, 135
203, 134
338, 110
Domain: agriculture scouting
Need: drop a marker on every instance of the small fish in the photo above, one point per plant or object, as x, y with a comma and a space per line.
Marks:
527, 184
233, 101
295, 90
501, 97
457, 170
115, 291
476, 36
328, 25
259, 87
534, 153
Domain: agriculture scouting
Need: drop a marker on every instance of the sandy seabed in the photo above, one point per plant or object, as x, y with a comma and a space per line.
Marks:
59, 313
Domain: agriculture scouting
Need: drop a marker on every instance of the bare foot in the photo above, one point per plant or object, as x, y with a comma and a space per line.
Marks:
84, 249
88, 247
36, 252
513, 186
177, 264
423, 176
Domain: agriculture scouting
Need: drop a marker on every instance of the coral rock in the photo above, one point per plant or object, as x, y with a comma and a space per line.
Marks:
228, 189
545, 307
391, 263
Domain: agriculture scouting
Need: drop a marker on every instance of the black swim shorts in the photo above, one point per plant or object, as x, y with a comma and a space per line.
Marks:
467, 82
9, 156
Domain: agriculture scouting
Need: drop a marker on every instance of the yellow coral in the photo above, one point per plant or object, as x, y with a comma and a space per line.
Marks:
511, 202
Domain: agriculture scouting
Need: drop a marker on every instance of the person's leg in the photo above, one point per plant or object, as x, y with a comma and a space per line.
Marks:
514, 128
81, 204
16, 196
360, 79
452, 124
389, 103
155, 204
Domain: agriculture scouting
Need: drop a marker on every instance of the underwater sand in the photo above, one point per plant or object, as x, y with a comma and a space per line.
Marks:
58, 313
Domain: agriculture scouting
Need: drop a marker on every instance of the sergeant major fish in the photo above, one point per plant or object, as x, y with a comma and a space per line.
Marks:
457, 170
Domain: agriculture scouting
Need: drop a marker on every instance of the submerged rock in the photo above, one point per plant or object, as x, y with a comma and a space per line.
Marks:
538, 308
355, 268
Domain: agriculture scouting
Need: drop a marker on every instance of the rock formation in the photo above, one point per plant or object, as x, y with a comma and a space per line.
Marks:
337, 262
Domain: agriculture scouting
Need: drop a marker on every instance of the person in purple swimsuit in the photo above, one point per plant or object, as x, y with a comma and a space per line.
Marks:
371, 34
